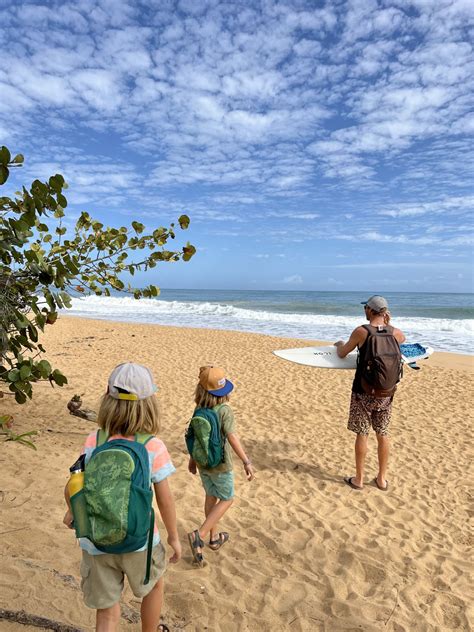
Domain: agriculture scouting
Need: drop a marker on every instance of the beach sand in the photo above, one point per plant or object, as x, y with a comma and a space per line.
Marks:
307, 553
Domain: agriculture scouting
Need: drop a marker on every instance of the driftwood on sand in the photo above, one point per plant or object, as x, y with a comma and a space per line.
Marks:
20, 616
75, 408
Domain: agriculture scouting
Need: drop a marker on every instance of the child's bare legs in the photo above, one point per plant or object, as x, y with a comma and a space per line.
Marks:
214, 509
208, 505
214, 515
107, 620
151, 607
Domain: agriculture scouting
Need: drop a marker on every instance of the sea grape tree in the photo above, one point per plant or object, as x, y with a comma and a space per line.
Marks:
43, 264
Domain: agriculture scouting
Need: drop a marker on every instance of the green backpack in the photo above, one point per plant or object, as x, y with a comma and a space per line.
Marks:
204, 439
118, 497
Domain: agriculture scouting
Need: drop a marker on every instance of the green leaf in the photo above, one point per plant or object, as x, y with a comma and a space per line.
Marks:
184, 222
61, 200
4, 173
20, 399
58, 377
66, 299
44, 368
13, 375
25, 372
18, 160
5, 155
138, 228
56, 182
188, 252
32, 331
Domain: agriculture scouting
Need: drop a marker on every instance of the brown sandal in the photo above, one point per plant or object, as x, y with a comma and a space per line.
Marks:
382, 489
222, 538
195, 542
348, 481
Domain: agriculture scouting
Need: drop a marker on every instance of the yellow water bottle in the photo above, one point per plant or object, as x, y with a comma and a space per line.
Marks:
75, 488
76, 482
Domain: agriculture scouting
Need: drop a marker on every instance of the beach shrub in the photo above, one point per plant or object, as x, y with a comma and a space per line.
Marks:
44, 262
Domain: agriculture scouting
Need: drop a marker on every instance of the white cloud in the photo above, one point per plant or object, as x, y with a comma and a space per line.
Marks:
294, 279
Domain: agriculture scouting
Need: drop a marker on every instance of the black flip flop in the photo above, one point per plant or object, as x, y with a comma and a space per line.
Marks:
195, 542
348, 481
382, 489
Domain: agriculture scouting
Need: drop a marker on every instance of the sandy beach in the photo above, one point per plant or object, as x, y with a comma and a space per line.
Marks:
307, 553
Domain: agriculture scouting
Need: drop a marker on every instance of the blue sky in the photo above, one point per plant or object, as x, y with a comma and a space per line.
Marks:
315, 145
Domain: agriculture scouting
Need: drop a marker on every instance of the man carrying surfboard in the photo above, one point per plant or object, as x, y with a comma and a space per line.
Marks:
372, 393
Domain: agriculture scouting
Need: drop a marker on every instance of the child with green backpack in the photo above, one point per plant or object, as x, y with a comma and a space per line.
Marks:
110, 501
211, 439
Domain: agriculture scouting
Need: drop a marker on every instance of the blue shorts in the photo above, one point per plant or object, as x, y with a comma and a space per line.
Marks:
218, 484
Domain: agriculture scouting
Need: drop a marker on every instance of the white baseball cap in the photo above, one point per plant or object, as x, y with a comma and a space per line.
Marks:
135, 379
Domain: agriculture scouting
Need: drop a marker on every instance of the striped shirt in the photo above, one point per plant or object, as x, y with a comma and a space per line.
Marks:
160, 467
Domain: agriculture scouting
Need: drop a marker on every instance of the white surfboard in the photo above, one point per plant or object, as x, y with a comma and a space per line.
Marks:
327, 358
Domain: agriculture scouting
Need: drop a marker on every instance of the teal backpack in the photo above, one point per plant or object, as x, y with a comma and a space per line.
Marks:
204, 439
118, 497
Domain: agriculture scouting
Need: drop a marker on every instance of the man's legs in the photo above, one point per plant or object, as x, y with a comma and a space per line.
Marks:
359, 422
107, 619
383, 451
151, 607
360, 454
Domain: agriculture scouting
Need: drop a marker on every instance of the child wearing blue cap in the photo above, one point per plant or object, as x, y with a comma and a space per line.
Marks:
212, 391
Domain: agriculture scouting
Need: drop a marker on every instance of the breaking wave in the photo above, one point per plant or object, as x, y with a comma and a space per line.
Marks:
441, 333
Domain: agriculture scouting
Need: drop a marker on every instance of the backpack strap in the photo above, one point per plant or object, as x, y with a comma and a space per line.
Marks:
102, 436
150, 546
386, 329
218, 408
143, 438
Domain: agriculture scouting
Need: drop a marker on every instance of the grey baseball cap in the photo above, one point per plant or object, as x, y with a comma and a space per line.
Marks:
377, 303
135, 379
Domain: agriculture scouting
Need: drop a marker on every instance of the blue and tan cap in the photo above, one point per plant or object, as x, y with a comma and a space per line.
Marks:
214, 381
135, 379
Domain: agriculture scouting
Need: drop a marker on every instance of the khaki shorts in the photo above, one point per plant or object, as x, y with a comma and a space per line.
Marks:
366, 411
103, 575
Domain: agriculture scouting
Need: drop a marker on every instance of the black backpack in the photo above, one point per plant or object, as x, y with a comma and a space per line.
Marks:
380, 362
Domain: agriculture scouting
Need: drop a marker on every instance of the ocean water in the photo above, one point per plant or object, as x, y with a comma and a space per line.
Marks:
443, 321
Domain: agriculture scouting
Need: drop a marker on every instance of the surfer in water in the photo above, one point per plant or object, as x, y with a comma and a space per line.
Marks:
367, 410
